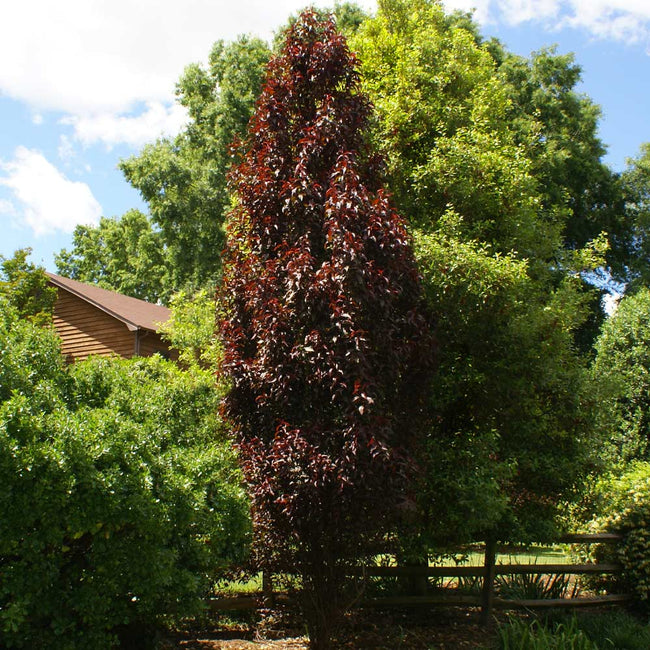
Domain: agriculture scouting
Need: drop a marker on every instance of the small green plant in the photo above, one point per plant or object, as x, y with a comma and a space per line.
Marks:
469, 584
522, 634
609, 630
536, 586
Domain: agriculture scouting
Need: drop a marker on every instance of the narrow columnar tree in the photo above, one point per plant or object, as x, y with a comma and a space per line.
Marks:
325, 346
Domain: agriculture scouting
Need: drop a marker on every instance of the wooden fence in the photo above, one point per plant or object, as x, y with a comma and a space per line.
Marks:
487, 572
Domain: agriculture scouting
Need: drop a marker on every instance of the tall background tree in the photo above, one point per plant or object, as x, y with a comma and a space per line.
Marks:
125, 254
324, 346
620, 375
25, 288
477, 143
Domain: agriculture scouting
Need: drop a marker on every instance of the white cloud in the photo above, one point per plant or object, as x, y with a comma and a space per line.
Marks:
49, 201
620, 20
481, 8
66, 149
7, 208
90, 57
136, 130
519, 11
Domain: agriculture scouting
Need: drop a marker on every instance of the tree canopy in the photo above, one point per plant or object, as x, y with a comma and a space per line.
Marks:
25, 288
183, 180
125, 254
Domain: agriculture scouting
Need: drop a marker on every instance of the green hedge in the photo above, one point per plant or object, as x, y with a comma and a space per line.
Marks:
623, 505
120, 497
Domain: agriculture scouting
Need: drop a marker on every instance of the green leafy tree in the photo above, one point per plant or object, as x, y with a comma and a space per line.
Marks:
25, 287
621, 376
510, 424
183, 180
443, 123
557, 126
635, 239
125, 254
506, 142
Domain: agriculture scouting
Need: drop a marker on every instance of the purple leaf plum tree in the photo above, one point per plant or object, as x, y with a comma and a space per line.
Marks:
326, 345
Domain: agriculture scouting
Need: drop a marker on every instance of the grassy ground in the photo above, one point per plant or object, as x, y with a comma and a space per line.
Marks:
515, 555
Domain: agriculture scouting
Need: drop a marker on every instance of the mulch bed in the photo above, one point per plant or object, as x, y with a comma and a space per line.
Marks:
440, 629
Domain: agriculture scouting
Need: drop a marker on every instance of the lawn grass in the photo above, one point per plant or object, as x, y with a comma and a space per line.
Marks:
473, 557
516, 555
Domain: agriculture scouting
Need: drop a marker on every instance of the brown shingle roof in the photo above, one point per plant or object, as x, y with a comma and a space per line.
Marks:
134, 313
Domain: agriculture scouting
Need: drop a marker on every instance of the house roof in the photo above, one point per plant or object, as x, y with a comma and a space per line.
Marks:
135, 314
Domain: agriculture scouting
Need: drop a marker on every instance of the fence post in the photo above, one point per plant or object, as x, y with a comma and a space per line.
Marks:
418, 584
487, 594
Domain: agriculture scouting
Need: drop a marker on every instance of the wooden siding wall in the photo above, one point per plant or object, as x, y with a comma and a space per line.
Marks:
86, 330
150, 343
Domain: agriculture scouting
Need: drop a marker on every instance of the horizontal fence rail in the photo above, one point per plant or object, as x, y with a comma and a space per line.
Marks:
488, 572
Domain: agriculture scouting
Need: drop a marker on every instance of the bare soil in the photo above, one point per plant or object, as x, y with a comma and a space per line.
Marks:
432, 630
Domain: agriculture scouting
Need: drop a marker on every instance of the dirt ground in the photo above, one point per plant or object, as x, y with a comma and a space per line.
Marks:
434, 630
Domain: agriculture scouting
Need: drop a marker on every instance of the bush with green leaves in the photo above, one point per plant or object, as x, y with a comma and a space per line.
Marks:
25, 287
623, 505
120, 496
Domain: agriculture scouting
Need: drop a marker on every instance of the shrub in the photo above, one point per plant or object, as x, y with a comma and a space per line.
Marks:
120, 499
623, 505
535, 586
520, 634
616, 629
620, 380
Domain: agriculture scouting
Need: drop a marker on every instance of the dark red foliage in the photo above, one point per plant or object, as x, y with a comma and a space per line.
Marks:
325, 346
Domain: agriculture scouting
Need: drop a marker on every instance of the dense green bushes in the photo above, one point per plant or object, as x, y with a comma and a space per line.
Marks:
623, 505
520, 634
120, 496
612, 630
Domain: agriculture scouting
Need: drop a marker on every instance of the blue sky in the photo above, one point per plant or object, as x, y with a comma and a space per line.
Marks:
84, 83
